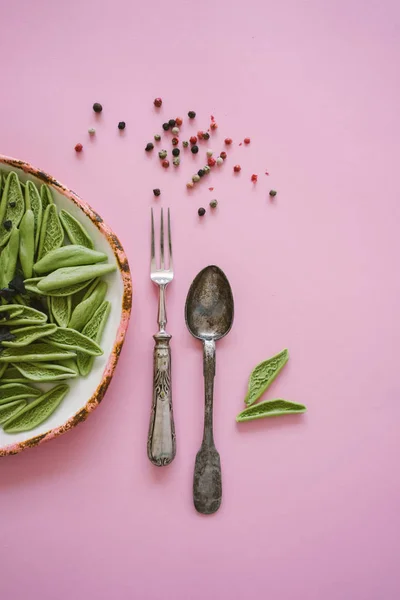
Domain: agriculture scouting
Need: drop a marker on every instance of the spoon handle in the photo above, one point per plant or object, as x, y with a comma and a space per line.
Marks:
161, 442
207, 482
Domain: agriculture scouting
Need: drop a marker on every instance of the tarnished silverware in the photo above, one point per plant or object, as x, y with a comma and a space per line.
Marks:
161, 443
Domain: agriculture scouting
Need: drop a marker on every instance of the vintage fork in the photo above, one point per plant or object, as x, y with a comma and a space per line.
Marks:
161, 444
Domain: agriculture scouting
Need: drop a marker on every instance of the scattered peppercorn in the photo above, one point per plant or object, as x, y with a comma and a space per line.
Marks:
211, 189
237, 168
149, 147
214, 203
220, 161
211, 162
174, 141
201, 212
12, 204
246, 140
176, 152
194, 149
273, 193
7, 225
157, 137
206, 135
254, 178
172, 122
190, 185
157, 192
214, 125
193, 139
196, 178
200, 135
97, 107
162, 154
91, 131
228, 141
121, 125
201, 172
176, 161
206, 169
165, 126
78, 148
223, 155
179, 121
191, 114
175, 130
158, 102
165, 163
185, 144
209, 153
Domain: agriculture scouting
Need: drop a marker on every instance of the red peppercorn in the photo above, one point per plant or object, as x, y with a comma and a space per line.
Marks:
254, 178
78, 148
223, 155
211, 162
193, 139
237, 168
165, 163
179, 121
200, 135
175, 141
214, 125
157, 102
228, 141
246, 140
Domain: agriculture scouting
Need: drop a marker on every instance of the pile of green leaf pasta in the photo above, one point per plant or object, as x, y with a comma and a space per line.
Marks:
52, 302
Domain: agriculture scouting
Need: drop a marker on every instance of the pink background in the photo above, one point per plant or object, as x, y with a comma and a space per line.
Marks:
311, 503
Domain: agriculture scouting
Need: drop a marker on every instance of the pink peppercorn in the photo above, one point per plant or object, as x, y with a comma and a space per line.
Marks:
211, 162
157, 102
165, 163
228, 141
193, 139
223, 155
246, 140
254, 178
78, 148
200, 135
237, 168
179, 121
214, 125
175, 141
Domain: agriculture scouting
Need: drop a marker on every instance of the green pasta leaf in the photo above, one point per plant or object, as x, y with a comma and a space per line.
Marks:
263, 375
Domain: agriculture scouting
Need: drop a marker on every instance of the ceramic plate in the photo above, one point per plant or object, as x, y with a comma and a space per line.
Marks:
85, 393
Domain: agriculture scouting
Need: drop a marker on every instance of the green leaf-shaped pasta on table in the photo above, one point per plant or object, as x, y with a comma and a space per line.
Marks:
10, 309
33, 199
3, 368
94, 330
68, 256
51, 232
37, 352
263, 375
70, 364
46, 196
27, 243
25, 315
270, 408
61, 307
37, 411
11, 409
31, 285
75, 231
17, 391
43, 372
12, 375
73, 340
12, 206
70, 276
8, 259
85, 310
23, 336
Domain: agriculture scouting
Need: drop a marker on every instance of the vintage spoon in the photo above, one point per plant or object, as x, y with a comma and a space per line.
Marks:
209, 317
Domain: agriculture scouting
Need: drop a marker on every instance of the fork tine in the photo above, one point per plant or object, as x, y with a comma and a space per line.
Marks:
153, 250
171, 264
162, 240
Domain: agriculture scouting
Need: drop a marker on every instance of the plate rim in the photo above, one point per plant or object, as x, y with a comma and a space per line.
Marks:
123, 266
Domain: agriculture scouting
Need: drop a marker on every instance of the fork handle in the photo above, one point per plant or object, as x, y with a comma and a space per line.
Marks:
161, 443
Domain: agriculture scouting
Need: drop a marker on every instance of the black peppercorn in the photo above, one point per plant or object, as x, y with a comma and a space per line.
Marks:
194, 149
201, 172
206, 135
121, 125
156, 192
176, 152
165, 126
97, 107
273, 193
201, 212
191, 114
172, 122
7, 225
12, 204
149, 147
